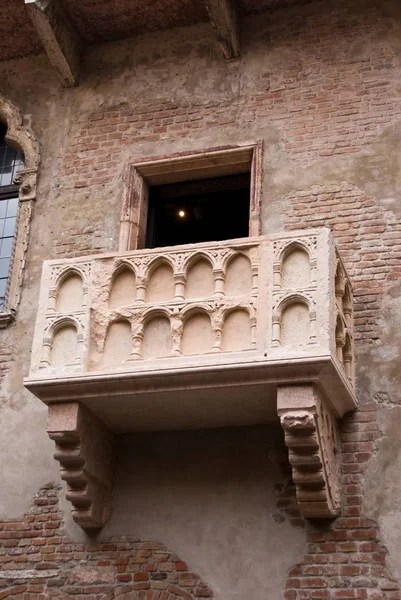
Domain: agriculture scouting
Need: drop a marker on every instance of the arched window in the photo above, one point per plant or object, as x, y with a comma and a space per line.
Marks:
19, 163
10, 162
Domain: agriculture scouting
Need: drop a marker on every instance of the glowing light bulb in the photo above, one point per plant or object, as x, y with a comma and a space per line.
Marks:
181, 213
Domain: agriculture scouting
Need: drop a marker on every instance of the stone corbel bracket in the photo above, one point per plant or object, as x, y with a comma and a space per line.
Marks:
84, 449
311, 436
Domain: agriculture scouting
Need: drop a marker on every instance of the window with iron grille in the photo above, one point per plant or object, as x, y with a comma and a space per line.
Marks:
10, 162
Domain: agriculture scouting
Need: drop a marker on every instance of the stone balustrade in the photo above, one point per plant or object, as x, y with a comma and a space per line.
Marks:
211, 334
117, 312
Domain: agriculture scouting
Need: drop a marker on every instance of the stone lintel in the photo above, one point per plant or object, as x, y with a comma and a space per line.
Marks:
61, 42
224, 18
84, 451
311, 436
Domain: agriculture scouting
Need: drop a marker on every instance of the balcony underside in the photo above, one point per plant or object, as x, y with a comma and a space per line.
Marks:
226, 393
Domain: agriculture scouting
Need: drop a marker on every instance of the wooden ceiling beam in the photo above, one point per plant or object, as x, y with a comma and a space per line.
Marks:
224, 18
60, 40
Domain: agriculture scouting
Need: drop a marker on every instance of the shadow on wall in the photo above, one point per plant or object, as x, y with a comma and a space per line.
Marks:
382, 486
212, 496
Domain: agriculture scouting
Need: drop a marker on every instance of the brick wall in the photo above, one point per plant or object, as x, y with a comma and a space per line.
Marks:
37, 561
326, 100
346, 558
368, 238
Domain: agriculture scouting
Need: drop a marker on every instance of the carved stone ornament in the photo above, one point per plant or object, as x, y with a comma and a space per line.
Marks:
21, 137
311, 437
84, 451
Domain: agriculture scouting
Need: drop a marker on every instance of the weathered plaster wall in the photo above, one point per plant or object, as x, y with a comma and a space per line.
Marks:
381, 375
320, 84
220, 498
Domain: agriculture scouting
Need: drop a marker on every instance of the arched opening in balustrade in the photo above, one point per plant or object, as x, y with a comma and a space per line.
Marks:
296, 270
197, 335
157, 340
238, 280
295, 323
160, 286
64, 346
123, 287
200, 278
236, 330
70, 292
118, 343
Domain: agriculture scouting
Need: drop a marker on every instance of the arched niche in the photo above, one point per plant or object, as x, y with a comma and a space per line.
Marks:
347, 356
160, 287
238, 276
340, 338
236, 331
64, 346
118, 344
157, 339
340, 285
123, 288
347, 351
200, 280
70, 293
197, 336
295, 324
339, 328
347, 298
296, 272
348, 305
20, 137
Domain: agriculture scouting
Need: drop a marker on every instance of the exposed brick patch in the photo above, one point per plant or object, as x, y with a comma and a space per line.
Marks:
329, 101
80, 241
39, 562
346, 558
325, 103
367, 236
323, 100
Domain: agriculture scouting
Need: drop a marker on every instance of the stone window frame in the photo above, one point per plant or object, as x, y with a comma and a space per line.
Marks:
20, 137
172, 168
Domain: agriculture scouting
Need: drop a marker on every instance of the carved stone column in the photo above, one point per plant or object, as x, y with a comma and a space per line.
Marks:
84, 451
311, 436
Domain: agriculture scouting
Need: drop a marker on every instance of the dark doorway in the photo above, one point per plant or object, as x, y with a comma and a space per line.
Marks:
204, 210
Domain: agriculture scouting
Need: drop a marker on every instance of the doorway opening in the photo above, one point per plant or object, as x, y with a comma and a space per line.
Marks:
192, 198
197, 211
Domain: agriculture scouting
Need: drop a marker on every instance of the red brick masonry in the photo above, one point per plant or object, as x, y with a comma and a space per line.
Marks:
346, 558
39, 562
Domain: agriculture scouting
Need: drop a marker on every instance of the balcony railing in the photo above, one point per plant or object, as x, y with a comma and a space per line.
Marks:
197, 335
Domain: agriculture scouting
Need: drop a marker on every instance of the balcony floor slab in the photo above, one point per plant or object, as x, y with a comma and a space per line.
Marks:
167, 398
